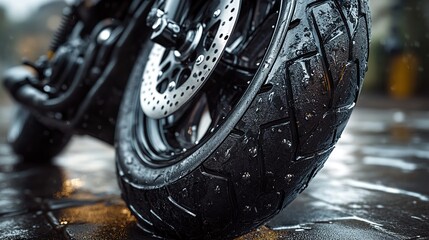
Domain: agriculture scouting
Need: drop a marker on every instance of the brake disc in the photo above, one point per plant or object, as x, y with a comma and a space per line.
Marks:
172, 77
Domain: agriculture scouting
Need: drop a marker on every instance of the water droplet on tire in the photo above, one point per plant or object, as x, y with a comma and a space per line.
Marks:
287, 142
246, 175
270, 97
253, 151
245, 140
228, 153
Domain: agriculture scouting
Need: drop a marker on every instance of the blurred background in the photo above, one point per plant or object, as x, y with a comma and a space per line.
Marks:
398, 68
399, 56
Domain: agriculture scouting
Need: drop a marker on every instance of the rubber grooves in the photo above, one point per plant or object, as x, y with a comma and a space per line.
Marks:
285, 136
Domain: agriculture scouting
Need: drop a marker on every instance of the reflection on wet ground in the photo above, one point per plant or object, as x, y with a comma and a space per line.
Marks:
374, 186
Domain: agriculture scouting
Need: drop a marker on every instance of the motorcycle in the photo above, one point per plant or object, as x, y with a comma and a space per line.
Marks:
221, 112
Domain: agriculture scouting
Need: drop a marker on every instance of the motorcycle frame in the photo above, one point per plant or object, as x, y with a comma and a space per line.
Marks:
97, 110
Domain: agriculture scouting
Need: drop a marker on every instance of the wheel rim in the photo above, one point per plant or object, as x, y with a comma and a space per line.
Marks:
167, 139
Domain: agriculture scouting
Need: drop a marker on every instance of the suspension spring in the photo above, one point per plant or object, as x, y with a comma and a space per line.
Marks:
67, 23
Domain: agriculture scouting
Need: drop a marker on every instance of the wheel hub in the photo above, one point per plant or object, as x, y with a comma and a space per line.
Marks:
175, 72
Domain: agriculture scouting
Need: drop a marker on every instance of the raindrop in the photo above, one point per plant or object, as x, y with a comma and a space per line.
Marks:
228, 153
245, 140
287, 142
253, 151
217, 189
306, 78
270, 97
184, 192
308, 116
246, 175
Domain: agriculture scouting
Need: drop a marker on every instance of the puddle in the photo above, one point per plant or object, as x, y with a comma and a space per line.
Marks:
390, 162
376, 187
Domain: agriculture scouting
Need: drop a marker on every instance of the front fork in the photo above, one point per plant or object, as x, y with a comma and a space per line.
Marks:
78, 86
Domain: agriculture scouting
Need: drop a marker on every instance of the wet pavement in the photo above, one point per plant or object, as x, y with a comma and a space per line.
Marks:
374, 186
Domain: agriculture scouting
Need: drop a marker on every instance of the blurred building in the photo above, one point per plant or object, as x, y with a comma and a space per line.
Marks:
399, 57
27, 39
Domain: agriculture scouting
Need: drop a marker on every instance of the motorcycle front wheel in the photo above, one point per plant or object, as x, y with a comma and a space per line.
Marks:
215, 141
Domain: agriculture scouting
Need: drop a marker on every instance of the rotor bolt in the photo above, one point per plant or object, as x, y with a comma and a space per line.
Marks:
216, 13
199, 60
154, 18
171, 86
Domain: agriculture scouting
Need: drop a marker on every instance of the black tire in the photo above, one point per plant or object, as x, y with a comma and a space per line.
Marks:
275, 140
32, 141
